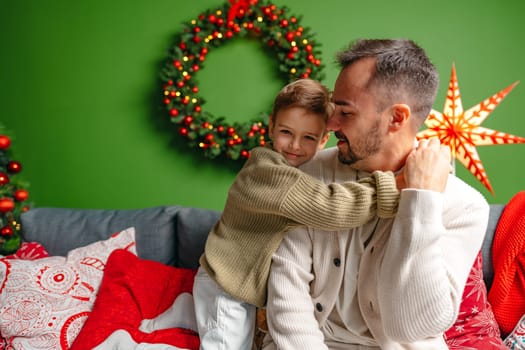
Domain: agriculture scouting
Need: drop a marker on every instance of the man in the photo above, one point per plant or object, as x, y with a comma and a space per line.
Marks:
391, 283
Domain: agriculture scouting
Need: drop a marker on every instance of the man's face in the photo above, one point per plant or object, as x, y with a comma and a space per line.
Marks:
356, 122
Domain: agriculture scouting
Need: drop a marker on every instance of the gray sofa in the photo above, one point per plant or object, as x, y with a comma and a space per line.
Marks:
173, 235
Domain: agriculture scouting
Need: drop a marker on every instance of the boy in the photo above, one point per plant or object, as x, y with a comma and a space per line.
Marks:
268, 197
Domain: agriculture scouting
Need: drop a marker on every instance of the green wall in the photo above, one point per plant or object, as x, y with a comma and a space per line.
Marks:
79, 89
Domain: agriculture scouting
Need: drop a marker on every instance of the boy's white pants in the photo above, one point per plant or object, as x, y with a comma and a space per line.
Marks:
224, 323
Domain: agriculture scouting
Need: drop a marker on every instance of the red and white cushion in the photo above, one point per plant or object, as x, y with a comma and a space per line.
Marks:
45, 302
476, 326
141, 303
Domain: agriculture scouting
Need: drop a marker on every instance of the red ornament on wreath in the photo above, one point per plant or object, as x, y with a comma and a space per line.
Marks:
21, 195
5, 141
14, 167
6, 205
292, 44
4, 179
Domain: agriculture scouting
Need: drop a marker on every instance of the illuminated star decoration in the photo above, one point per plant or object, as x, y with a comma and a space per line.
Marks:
461, 130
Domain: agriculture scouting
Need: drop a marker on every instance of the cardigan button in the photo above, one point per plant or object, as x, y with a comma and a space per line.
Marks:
337, 262
319, 307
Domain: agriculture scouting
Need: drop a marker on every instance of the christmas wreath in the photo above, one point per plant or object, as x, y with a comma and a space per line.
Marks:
280, 32
13, 198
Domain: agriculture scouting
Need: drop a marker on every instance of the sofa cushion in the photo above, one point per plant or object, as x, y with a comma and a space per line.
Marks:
147, 301
193, 226
476, 326
45, 302
507, 294
60, 230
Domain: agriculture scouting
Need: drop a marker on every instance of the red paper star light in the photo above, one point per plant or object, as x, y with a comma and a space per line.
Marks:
461, 130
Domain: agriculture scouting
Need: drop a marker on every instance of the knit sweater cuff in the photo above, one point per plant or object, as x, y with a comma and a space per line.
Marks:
387, 193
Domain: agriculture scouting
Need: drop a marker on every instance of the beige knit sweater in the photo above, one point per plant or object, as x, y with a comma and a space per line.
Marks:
267, 198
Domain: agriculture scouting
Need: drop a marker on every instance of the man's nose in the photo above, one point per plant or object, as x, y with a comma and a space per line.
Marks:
333, 123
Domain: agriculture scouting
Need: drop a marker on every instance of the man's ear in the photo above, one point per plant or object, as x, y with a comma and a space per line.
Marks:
400, 115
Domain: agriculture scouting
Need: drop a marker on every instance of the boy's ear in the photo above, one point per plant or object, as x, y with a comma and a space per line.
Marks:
400, 115
270, 126
324, 140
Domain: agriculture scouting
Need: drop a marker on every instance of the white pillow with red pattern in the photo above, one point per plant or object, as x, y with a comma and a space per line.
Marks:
45, 302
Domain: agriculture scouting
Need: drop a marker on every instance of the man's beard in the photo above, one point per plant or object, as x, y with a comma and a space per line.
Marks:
369, 145
349, 157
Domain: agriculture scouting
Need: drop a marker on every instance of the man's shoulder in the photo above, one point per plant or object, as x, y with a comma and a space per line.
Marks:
458, 190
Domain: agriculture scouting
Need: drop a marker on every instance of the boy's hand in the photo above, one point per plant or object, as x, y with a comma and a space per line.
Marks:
427, 166
400, 181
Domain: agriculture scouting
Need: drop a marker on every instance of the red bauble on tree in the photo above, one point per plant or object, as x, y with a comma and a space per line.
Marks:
13, 197
6, 231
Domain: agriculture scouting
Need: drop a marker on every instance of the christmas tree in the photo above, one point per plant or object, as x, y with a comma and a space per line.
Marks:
13, 197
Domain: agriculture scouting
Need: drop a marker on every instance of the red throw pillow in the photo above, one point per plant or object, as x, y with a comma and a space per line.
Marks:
476, 326
507, 294
135, 291
29, 251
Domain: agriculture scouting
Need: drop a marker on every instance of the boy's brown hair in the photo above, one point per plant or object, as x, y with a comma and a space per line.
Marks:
304, 93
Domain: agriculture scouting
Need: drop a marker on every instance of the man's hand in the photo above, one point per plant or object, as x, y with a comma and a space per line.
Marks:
427, 166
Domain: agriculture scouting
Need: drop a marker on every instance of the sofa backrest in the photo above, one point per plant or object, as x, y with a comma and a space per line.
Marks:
173, 235
60, 230
193, 226
486, 248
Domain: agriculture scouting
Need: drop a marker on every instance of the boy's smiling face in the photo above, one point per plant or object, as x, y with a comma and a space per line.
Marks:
298, 134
